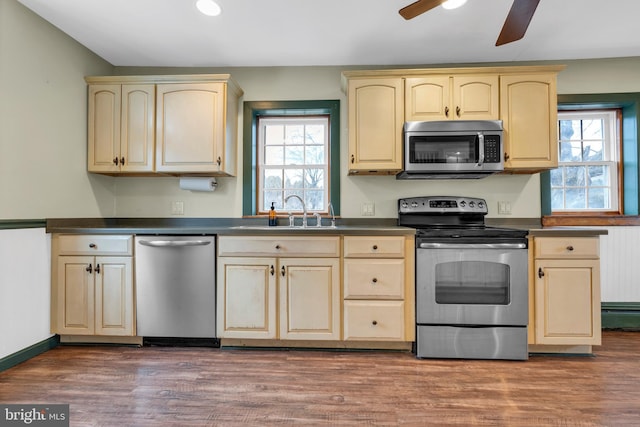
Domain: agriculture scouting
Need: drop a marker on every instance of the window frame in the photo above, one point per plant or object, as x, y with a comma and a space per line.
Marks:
615, 160
252, 110
629, 103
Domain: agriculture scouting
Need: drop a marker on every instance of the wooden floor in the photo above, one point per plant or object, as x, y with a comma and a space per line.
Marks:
164, 386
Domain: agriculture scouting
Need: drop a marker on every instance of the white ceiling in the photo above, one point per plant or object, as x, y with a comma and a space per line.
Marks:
338, 32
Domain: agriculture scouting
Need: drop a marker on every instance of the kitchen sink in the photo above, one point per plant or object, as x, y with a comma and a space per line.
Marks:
282, 228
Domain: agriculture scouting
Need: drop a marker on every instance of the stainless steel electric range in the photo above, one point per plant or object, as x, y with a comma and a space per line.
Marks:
471, 280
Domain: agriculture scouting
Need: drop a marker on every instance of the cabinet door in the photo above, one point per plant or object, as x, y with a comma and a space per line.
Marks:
567, 302
528, 109
113, 296
246, 297
376, 117
190, 127
75, 299
428, 98
310, 298
475, 98
104, 128
137, 128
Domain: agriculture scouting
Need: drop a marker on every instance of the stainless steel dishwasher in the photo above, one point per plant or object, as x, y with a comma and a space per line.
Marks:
175, 286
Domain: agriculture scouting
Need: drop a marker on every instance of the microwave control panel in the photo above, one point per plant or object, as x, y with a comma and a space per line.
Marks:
492, 152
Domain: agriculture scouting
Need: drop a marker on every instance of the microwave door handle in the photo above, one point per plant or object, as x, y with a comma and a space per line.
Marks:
480, 149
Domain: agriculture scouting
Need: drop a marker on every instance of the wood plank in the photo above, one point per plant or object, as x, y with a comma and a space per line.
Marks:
203, 386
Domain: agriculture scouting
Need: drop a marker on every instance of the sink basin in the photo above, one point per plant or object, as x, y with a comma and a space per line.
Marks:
281, 228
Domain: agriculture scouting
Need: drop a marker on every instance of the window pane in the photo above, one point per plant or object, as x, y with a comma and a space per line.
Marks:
592, 151
314, 154
274, 134
598, 198
576, 198
557, 199
315, 134
598, 175
556, 177
314, 178
575, 176
592, 129
272, 178
293, 204
570, 129
274, 155
293, 179
314, 199
295, 134
294, 155
272, 196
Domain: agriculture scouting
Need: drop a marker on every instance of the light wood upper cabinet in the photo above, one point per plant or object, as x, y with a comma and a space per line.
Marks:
458, 97
191, 132
121, 128
528, 110
376, 117
178, 125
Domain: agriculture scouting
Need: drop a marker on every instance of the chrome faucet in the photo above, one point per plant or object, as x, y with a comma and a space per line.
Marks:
333, 215
304, 209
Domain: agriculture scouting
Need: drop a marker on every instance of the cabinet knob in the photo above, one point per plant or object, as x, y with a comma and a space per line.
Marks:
374, 280
506, 156
89, 269
446, 111
278, 247
97, 268
458, 111
540, 273
219, 161
122, 160
282, 271
353, 158
569, 248
272, 270
375, 247
115, 161
92, 245
374, 323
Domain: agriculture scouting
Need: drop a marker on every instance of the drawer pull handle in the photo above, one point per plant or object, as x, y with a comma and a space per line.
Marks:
92, 245
272, 270
89, 269
375, 280
569, 248
540, 273
374, 323
375, 247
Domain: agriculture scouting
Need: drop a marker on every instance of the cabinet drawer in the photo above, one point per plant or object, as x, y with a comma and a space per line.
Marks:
79, 244
379, 279
319, 246
374, 320
567, 247
374, 246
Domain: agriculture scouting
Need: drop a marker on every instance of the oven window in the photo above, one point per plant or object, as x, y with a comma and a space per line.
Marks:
472, 282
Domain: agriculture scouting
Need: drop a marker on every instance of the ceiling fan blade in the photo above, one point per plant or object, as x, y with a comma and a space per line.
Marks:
517, 21
419, 7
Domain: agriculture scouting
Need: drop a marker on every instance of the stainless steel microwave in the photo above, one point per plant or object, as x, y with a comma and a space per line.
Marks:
452, 149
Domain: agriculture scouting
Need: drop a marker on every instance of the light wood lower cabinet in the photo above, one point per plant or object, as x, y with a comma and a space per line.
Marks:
294, 297
566, 292
92, 284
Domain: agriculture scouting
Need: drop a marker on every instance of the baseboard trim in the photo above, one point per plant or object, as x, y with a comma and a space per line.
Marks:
621, 315
29, 352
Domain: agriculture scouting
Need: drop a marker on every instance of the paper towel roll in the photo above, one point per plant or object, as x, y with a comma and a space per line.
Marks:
198, 184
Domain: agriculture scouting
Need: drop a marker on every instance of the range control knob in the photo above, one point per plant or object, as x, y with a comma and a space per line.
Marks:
414, 204
463, 204
480, 205
471, 204
404, 204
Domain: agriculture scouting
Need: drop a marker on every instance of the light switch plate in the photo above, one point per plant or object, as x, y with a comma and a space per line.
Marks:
177, 208
368, 209
504, 208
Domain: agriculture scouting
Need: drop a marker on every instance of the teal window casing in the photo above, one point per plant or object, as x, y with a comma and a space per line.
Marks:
630, 105
253, 109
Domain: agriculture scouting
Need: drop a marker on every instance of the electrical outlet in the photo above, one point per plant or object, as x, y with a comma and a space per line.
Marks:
368, 209
504, 208
177, 208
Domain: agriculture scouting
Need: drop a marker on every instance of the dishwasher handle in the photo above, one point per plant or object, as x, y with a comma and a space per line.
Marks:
173, 243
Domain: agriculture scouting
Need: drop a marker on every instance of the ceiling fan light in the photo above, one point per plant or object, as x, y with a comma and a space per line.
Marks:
208, 7
452, 4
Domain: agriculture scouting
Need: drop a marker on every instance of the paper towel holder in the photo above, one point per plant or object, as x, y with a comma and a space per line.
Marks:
206, 184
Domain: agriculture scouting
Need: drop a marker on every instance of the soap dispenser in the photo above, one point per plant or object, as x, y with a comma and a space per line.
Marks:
273, 219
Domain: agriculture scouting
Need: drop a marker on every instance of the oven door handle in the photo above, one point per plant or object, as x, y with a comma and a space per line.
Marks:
472, 246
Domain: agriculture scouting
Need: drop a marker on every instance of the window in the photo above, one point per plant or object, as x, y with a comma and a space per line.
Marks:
587, 177
291, 147
293, 159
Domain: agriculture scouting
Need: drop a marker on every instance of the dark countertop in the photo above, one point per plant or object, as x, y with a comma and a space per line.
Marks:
221, 226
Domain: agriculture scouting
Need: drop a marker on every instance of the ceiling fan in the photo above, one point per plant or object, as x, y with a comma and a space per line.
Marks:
514, 26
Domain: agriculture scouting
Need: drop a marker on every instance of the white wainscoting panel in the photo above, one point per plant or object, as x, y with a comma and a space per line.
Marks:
620, 264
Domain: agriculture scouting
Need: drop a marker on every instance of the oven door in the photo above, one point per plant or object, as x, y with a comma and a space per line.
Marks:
472, 284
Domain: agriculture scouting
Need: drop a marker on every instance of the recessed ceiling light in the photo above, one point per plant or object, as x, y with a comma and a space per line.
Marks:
452, 4
208, 7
